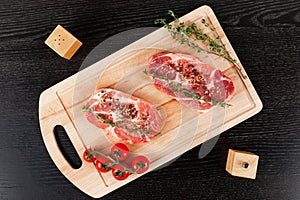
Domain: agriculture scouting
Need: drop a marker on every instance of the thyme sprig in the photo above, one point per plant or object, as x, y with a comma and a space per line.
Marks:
177, 87
190, 33
106, 120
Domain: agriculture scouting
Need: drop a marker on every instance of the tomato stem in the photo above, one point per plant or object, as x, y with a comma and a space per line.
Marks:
115, 162
137, 169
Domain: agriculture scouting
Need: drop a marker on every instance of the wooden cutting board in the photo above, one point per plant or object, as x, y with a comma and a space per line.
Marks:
183, 128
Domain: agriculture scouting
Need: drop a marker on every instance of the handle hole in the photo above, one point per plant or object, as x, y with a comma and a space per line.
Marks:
66, 147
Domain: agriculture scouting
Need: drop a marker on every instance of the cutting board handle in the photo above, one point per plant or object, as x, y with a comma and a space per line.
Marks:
51, 114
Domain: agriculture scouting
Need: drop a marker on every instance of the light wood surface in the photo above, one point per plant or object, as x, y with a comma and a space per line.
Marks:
183, 128
241, 163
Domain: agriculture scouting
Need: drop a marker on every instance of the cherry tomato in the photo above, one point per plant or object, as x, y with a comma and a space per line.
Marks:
119, 173
120, 150
89, 156
103, 164
140, 164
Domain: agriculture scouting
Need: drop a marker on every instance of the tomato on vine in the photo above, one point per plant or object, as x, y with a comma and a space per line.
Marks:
120, 151
119, 173
103, 164
115, 162
89, 156
140, 164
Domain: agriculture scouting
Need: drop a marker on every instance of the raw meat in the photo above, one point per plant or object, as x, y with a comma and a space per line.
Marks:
188, 79
124, 116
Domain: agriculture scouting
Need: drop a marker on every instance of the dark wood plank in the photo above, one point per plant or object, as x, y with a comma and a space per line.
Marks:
266, 37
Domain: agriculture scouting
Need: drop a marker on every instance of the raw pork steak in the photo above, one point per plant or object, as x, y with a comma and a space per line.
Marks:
124, 116
188, 79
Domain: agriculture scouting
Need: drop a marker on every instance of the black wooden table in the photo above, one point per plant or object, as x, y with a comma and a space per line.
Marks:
266, 37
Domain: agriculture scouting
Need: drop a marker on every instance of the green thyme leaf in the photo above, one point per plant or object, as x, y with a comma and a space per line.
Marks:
171, 13
145, 72
84, 108
194, 26
206, 99
153, 75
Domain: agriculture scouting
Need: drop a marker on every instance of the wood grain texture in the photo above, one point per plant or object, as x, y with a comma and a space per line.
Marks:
265, 35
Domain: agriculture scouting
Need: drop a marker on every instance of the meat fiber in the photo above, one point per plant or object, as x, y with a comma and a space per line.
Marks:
124, 116
188, 79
